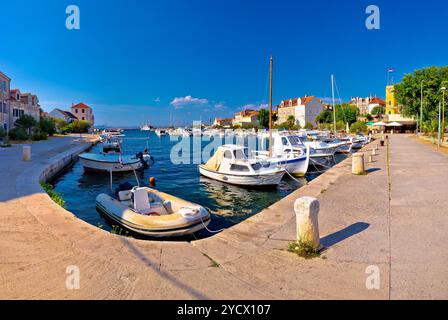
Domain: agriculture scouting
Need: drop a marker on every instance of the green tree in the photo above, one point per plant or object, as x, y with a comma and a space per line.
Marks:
309, 126
358, 127
326, 116
27, 123
407, 92
377, 111
48, 126
344, 112
263, 118
80, 126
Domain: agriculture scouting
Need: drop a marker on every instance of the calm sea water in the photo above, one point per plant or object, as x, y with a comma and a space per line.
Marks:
228, 204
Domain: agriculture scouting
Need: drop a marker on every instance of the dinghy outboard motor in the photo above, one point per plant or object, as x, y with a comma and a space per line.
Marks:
125, 186
142, 159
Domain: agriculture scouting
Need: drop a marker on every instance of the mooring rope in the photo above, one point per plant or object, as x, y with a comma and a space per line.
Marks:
211, 231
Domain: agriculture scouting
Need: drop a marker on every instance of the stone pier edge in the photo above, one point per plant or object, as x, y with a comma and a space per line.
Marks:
251, 233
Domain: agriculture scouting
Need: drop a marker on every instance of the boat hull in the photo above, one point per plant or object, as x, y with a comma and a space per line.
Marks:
271, 179
94, 165
173, 225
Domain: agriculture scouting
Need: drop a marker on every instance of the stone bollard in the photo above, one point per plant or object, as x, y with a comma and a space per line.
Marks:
26, 153
307, 210
358, 164
373, 152
370, 159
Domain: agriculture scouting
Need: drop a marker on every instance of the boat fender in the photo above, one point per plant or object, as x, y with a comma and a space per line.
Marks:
152, 182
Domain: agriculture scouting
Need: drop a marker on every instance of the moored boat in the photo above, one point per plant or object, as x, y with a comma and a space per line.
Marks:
113, 162
231, 164
149, 212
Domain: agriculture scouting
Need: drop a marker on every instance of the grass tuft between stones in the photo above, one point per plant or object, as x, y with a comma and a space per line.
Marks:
303, 249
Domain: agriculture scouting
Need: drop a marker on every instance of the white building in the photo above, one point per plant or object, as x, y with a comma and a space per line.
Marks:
303, 110
62, 114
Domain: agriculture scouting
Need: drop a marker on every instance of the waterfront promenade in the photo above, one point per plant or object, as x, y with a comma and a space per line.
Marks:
394, 218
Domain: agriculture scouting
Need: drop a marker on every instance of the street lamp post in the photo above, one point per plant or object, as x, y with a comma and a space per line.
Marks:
421, 107
438, 131
443, 111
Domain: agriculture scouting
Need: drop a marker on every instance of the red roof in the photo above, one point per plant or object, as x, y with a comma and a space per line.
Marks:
378, 101
81, 105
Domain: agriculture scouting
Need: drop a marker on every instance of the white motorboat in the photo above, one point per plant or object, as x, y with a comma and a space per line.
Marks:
321, 152
161, 132
114, 162
145, 127
149, 212
231, 164
288, 152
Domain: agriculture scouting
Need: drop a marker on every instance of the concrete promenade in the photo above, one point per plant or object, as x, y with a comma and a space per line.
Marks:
394, 219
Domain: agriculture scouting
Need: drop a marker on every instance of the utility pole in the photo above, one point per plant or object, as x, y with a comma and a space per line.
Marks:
438, 131
443, 112
421, 106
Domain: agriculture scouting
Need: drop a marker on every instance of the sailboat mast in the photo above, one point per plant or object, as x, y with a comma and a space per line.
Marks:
270, 106
334, 107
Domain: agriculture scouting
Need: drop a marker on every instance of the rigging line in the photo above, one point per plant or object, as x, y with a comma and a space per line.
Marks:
266, 87
340, 100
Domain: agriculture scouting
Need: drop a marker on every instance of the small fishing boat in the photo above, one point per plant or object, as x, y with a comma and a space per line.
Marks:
231, 164
145, 127
111, 145
114, 162
149, 212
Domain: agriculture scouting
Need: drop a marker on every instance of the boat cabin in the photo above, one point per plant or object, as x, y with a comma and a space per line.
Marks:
283, 143
234, 158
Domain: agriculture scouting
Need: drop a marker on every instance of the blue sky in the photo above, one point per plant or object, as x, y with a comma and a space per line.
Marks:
137, 61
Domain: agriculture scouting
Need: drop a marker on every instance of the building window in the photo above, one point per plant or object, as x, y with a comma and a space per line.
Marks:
83, 110
83, 118
21, 113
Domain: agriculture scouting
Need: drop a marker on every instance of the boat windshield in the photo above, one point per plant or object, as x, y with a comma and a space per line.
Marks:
295, 141
241, 154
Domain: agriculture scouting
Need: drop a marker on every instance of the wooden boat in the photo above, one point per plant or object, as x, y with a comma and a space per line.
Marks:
149, 212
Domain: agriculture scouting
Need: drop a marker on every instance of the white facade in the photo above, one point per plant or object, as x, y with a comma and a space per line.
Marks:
304, 110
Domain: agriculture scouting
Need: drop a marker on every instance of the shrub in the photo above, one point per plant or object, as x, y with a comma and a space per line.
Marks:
18, 134
2, 133
80, 126
39, 136
26, 122
48, 188
309, 126
358, 127
48, 126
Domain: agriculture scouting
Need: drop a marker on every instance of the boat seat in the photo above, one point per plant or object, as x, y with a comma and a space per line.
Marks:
141, 200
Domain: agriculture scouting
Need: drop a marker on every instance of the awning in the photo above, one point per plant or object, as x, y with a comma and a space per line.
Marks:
394, 124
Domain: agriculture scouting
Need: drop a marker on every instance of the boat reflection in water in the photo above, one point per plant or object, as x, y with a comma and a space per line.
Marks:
229, 204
